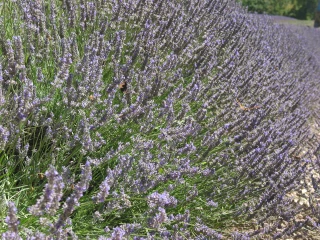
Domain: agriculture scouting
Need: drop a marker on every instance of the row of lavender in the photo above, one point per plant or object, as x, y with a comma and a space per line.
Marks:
310, 39
208, 125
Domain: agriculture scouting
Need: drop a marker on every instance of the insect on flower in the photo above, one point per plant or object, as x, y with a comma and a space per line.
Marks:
296, 157
246, 108
91, 97
123, 87
40, 176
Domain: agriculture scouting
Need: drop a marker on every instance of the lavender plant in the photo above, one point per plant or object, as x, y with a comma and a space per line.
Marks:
146, 119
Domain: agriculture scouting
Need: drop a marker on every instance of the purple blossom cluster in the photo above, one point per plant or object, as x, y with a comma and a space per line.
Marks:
50, 201
12, 222
167, 118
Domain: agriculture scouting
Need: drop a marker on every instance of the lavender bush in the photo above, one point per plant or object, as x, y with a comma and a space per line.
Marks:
142, 119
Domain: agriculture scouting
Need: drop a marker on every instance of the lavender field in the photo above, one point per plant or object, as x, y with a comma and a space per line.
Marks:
156, 119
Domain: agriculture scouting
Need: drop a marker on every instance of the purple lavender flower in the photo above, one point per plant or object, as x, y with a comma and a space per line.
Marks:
159, 218
73, 200
160, 200
208, 232
13, 223
214, 111
49, 202
105, 187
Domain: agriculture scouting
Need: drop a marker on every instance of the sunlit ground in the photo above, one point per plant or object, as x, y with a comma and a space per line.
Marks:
289, 20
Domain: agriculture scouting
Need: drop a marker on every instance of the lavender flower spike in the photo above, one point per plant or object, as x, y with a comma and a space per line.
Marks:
161, 199
13, 222
52, 194
73, 200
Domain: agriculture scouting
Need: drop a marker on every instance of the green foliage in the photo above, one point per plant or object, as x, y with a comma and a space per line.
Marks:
258, 6
300, 9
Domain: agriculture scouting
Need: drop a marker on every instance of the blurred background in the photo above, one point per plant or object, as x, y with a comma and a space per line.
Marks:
299, 9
